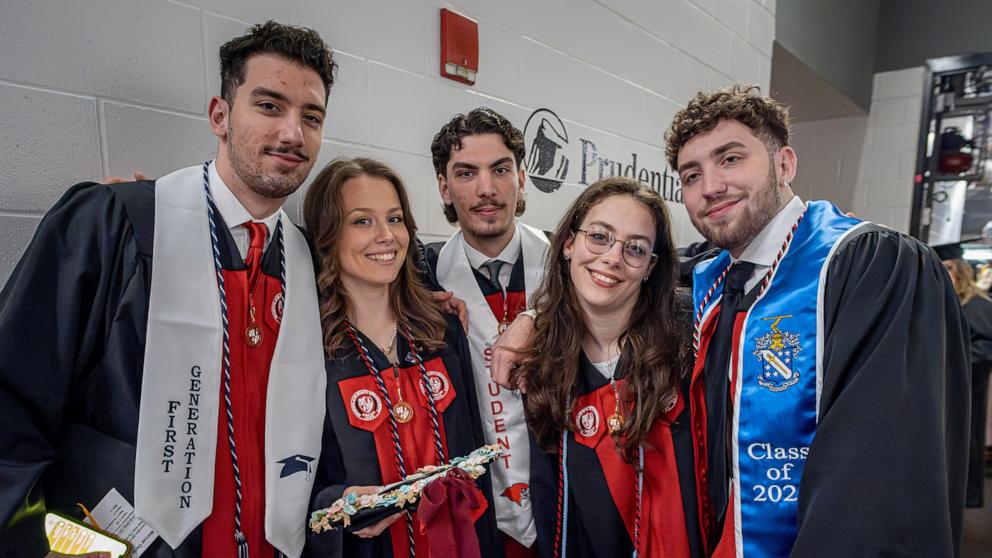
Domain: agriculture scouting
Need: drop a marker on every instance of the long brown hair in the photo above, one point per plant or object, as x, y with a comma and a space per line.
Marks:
323, 214
654, 346
964, 281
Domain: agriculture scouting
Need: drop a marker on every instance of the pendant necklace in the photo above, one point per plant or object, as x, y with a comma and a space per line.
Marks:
402, 410
615, 421
253, 334
504, 323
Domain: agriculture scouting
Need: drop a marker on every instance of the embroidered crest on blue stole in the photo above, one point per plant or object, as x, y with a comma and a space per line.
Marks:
775, 404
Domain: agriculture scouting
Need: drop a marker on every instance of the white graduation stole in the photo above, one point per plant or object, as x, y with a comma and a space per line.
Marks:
502, 411
180, 392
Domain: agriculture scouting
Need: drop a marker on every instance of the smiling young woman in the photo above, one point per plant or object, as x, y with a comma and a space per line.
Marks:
400, 392
603, 385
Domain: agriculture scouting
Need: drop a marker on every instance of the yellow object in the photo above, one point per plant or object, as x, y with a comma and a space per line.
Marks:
71, 537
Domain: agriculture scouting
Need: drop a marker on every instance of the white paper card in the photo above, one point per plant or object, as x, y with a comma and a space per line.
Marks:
116, 516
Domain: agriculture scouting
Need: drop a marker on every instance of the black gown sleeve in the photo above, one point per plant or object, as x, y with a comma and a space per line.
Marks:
459, 342
544, 496
53, 313
885, 473
328, 486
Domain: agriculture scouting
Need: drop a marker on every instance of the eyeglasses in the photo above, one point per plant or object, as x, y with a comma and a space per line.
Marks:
636, 252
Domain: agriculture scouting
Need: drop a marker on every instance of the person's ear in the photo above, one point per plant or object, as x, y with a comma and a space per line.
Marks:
219, 113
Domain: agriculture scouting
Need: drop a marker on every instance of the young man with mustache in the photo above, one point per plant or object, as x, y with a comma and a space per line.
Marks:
161, 338
493, 263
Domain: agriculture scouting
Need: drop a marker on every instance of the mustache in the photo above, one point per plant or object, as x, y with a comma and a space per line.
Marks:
717, 203
296, 151
487, 204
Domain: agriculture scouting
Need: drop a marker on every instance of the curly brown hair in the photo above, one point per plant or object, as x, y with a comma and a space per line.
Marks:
323, 215
297, 44
741, 102
479, 121
654, 345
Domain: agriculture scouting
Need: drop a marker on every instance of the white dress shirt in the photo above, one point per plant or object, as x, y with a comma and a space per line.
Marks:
508, 256
234, 213
764, 248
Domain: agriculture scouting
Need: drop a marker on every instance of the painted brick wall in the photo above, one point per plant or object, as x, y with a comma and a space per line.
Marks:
104, 87
866, 164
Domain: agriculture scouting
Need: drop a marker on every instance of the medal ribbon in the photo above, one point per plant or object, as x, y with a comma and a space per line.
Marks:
239, 537
561, 517
394, 431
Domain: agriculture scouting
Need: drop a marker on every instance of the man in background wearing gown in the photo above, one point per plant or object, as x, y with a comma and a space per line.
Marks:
161, 377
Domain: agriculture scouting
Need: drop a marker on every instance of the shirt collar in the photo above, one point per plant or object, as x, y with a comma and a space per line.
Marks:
764, 248
509, 254
230, 208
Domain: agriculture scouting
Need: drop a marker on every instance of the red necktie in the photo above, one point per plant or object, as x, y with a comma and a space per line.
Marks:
256, 236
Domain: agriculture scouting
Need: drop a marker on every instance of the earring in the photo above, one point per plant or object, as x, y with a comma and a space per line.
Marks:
568, 258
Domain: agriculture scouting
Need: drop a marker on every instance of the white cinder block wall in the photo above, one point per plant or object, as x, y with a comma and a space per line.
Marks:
866, 163
104, 87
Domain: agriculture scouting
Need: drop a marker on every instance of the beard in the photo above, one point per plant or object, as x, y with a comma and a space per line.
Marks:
738, 233
250, 171
482, 229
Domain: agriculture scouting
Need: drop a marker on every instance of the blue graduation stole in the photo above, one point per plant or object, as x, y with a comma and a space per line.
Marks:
779, 381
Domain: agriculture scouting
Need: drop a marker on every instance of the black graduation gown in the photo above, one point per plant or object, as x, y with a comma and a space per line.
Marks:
600, 484
73, 317
885, 472
978, 311
352, 445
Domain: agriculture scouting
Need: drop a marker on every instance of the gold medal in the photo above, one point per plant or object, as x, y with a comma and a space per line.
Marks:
615, 423
253, 334
403, 412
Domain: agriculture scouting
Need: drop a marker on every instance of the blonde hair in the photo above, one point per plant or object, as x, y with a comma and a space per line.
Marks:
964, 281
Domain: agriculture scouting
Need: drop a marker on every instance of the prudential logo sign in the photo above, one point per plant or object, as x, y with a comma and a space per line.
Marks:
546, 141
552, 159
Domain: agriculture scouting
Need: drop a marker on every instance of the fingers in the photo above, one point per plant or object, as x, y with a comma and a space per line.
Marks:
362, 490
441, 296
450, 304
504, 362
462, 310
510, 350
114, 180
377, 529
138, 175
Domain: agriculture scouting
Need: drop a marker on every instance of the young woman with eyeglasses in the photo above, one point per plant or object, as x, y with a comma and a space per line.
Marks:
603, 382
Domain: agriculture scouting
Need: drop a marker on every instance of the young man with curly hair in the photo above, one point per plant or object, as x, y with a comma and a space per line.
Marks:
828, 385
493, 263
161, 338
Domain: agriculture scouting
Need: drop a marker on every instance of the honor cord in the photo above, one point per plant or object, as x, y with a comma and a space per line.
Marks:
393, 427
239, 536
